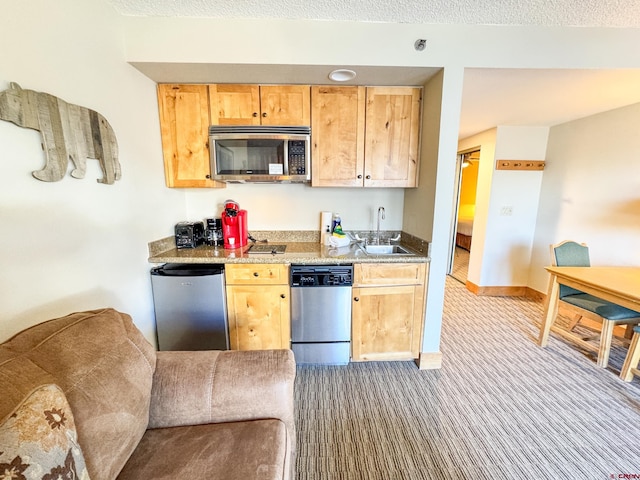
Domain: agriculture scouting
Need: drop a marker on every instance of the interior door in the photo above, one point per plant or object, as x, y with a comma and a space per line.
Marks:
454, 219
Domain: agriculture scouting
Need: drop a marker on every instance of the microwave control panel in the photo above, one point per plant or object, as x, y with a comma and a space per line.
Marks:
297, 157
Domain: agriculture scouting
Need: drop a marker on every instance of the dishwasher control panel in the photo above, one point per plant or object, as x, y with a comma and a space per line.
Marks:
321, 276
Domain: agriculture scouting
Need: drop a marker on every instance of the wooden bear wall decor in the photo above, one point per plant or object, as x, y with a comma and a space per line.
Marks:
69, 132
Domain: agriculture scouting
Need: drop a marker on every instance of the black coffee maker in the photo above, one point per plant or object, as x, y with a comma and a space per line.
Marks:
213, 232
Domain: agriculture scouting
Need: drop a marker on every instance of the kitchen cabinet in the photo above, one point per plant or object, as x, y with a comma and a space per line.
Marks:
338, 136
387, 311
362, 136
184, 125
233, 104
258, 306
365, 137
392, 136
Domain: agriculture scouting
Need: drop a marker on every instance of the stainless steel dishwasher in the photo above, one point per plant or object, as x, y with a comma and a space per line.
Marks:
321, 313
190, 307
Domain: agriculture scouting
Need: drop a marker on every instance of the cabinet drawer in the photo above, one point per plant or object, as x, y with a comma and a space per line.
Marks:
389, 274
257, 274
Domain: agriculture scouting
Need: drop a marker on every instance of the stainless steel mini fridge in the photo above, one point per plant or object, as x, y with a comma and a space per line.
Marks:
190, 307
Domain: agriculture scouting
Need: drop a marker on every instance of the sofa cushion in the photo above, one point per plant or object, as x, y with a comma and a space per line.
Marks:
38, 439
104, 366
229, 451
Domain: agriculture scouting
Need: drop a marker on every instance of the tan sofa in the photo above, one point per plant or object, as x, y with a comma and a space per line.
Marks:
135, 413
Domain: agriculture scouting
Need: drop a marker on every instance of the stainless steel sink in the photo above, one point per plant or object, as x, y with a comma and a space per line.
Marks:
386, 250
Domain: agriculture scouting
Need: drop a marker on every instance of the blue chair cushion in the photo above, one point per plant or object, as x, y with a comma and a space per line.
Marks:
636, 328
605, 309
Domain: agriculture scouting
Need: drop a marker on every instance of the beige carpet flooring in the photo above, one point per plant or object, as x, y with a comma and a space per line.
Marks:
499, 408
460, 267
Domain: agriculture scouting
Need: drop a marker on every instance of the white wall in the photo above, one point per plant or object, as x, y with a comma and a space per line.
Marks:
509, 237
429, 209
507, 205
307, 42
298, 207
193, 42
77, 244
591, 191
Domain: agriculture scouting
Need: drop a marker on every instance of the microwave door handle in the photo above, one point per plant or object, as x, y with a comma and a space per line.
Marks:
285, 160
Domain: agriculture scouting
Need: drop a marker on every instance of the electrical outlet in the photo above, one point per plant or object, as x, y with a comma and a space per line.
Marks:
506, 211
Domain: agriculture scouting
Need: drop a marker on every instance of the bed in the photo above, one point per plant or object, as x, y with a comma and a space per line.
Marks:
464, 230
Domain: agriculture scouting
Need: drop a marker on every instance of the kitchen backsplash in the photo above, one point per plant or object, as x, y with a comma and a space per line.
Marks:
298, 207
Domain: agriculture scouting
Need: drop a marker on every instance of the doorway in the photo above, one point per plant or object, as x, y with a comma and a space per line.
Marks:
468, 163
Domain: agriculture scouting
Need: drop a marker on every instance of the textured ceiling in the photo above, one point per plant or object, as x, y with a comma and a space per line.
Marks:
541, 97
591, 13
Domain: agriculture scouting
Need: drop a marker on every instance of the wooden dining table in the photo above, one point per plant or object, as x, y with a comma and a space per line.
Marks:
619, 285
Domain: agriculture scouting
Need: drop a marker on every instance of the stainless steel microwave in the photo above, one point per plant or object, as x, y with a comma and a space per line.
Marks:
261, 154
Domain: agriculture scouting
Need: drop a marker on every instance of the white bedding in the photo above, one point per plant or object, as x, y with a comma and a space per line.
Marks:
465, 225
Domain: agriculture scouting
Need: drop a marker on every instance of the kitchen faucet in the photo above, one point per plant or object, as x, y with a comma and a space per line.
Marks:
380, 216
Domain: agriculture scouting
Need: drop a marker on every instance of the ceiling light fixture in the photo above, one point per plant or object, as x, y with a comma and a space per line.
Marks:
342, 75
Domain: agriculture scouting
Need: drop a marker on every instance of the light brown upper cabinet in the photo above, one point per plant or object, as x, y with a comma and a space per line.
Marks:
337, 130
392, 136
184, 126
365, 137
232, 104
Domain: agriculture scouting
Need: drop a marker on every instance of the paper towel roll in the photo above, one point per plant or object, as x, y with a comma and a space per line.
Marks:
325, 221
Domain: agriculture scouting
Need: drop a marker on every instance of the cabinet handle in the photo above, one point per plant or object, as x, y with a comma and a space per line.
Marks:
256, 274
255, 114
368, 177
282, 295
264, 114
359, 176
356, 299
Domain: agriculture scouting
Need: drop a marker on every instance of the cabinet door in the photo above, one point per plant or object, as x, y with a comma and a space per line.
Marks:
285, 105
232, 104
392, 136
184, 125
259, 317
338, 136
386, 322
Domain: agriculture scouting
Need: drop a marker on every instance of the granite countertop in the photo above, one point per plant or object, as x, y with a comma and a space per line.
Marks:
301, 247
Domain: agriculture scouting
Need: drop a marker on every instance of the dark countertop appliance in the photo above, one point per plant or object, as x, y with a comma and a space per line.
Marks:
189, 234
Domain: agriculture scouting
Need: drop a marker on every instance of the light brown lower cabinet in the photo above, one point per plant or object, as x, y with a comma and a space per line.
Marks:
258, 306
387, 311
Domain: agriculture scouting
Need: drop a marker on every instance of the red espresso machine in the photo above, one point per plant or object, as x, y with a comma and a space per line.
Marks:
234, 225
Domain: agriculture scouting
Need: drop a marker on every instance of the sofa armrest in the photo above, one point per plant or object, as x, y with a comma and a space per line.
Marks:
200, 387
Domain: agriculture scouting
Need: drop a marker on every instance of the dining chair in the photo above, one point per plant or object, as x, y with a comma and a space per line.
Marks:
630, 365
586, 306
